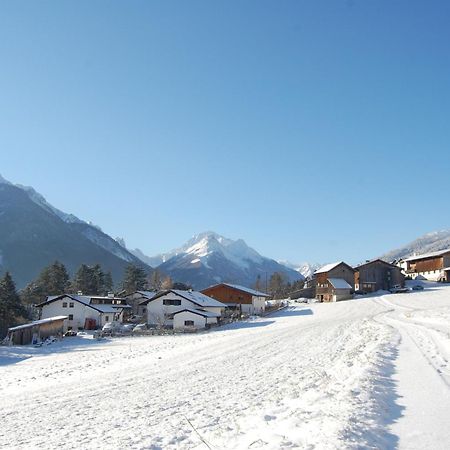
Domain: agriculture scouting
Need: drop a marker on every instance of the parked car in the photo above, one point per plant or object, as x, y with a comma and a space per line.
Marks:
397, 289
417, 287
360, 293
111, 327
140, 327
127, 328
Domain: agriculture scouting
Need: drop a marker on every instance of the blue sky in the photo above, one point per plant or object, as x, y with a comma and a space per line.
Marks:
314, 130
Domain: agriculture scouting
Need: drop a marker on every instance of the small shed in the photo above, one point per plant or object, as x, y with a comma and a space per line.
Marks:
194, 319
36, 331
340, 289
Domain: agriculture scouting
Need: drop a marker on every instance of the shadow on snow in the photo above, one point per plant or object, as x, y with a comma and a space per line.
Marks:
370, 428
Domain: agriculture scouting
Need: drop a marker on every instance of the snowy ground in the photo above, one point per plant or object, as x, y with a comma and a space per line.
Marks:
367, 373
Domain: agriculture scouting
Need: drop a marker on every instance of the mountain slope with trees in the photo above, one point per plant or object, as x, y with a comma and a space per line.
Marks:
430, 242
33, 235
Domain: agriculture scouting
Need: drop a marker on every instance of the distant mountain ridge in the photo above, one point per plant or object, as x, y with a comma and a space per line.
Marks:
34, 233
210, 258
306, 269
430, 242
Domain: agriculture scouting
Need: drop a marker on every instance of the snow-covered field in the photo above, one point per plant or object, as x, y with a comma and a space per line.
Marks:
367, 373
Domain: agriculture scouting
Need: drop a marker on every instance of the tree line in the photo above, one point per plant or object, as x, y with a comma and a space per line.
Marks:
16, 307
278, 286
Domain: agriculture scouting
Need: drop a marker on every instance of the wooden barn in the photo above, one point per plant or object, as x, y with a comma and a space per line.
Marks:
433, 266
378, 275
36, 331
249, 301
334, 282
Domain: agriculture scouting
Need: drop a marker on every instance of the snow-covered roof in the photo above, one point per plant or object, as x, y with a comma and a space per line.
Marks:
38, 322
87, 301
339, 283
328, 267
198, 298
371, 261
248, 290
428, 255
198, 312
147, 294
195, 297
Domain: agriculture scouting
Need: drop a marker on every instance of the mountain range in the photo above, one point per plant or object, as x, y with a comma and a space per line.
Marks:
33, 234
430, 242
210, 258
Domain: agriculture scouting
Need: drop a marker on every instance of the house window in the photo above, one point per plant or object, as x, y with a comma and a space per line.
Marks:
64, 304
71, 305
168, 302
188, 323
106, 318
70, 316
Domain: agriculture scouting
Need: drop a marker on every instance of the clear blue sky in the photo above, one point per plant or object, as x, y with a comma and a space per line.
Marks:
314, 130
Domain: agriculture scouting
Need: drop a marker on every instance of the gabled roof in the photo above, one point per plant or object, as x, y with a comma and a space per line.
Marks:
328, 267
242, 289
374, 261
428, 255
195, 297
198, 312
339, 283
86, 301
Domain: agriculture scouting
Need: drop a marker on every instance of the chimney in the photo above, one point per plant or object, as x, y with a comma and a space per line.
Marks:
110, 294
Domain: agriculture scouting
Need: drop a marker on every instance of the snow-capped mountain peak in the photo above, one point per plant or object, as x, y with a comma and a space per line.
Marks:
209, 258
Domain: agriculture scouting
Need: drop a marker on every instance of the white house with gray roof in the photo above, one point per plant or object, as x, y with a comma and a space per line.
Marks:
83, 311
163, 308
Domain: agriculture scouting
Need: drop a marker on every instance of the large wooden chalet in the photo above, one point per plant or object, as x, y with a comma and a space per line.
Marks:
248, 301
433, 266
378, 275
334, 282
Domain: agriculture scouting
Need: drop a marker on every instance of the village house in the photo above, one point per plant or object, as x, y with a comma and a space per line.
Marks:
334, 282
176, 308
433, 266
84, 312
248, 301
136, 298
378, 275
37, 331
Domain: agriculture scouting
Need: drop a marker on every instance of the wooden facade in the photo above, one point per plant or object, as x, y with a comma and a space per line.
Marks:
227, 294
36, 331
378, 275
431, 266
325, 291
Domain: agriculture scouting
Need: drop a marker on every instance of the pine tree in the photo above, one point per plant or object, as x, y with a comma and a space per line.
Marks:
108, 283
11, 308
53, 280
135, 279
92, 280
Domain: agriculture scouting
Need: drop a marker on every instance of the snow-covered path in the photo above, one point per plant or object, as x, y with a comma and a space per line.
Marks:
422, 369
315, 376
